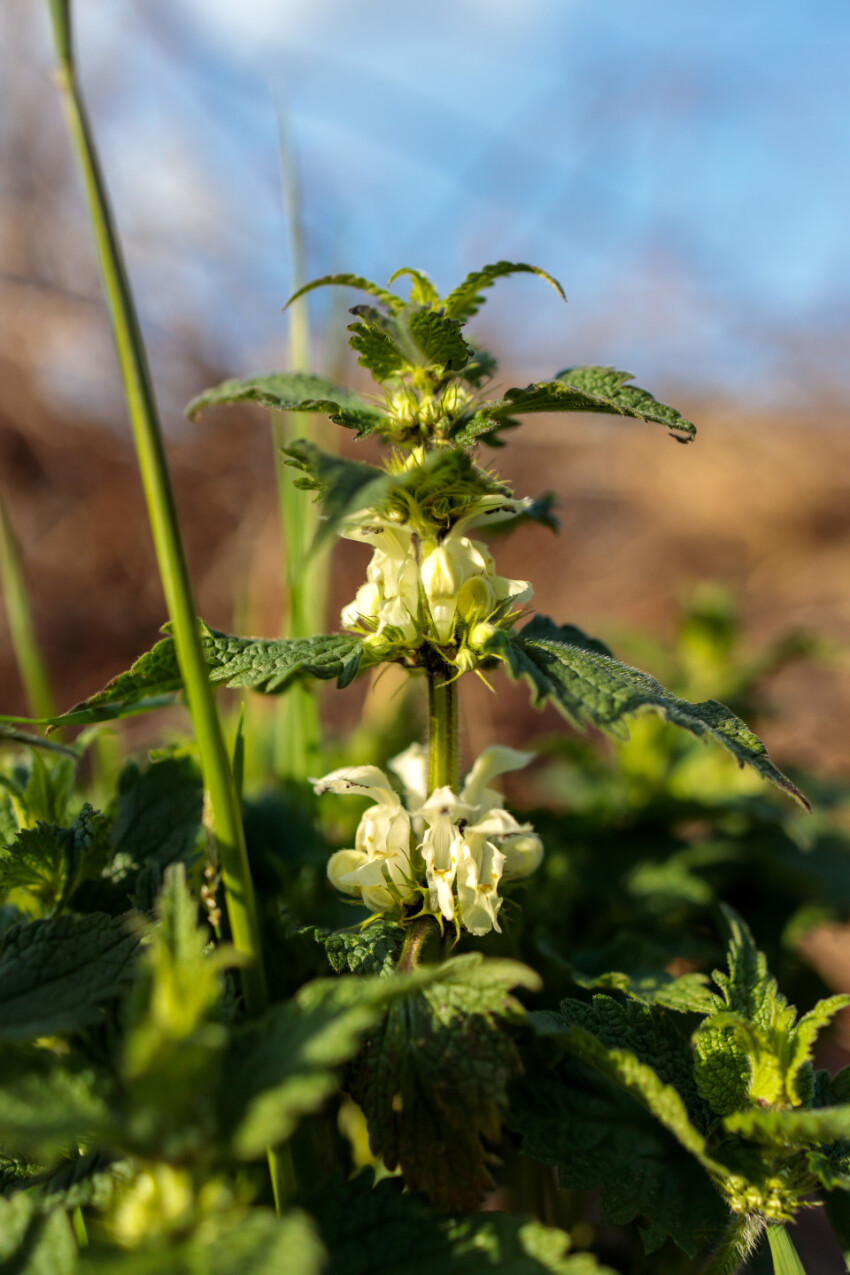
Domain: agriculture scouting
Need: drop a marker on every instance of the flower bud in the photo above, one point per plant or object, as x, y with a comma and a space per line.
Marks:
523, 854
340, 865
483, 636
465, 661
476, 599
378, 646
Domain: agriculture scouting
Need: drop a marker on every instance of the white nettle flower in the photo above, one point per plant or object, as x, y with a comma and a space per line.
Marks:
467, 843
390, 596
457, 576
378, 869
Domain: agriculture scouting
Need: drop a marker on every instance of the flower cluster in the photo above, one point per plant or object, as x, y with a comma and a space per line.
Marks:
448, 851
424, 588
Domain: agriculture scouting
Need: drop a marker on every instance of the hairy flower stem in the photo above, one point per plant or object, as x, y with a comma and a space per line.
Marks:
442, 728
414, 942
739, 1242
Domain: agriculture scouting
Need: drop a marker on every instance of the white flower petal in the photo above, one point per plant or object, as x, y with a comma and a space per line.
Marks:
362, 781
411, 766
496, 760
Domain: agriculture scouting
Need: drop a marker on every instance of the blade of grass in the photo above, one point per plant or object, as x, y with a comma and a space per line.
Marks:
298, 734
31, 666
147, 432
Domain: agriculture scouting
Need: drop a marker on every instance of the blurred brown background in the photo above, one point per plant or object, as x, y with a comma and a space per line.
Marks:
759, 502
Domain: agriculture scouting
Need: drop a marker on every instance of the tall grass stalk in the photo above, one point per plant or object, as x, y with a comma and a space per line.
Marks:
298, 734
31, 666
147, 432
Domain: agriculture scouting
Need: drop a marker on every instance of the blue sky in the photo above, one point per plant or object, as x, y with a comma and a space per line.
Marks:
682, 168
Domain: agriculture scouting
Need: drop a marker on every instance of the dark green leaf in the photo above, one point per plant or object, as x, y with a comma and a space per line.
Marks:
373, 342
292, 392
598, 1136
262, 664
285, 1065
466, 299
439, 338
50, 862
158, 815
253, 1243
375, 1231
49, 788
644, 1032
688, 994
416, 336
432, 1078
173, 1044
345, 486
585, 389
32, 1243
57, 975
590, 686
372, 950
49, 1102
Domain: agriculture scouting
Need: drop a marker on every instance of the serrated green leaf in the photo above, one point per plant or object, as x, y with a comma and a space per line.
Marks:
173, 1048
253, 1243
791, 1127
158, 812
49, 862
749, 1049
584, 389
350, 281
292, 392
49, 789
687, 994
598, 1136
466, 299
373, 950
749, 989
376, 1230
49, 1102
434, 1075
439, 338
374, 345
422, 289
262, 664
643, 1083
345, 486
58, 975
589, 686
807, 1030
649, 1035
32, 1243
286, 1064
413, 337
